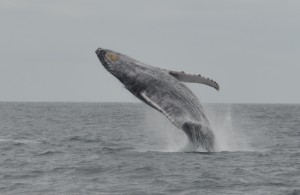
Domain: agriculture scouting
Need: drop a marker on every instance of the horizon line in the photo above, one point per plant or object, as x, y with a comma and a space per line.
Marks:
137, 102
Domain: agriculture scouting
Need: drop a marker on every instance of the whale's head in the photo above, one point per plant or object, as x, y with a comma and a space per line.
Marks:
111, 60
119, 65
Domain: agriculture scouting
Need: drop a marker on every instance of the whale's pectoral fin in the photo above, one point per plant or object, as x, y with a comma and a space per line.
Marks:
181, 76
169, 110
199, 135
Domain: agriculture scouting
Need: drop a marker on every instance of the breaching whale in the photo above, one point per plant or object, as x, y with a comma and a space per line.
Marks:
164, 91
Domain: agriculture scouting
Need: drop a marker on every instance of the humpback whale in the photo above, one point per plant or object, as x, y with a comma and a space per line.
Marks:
164, 91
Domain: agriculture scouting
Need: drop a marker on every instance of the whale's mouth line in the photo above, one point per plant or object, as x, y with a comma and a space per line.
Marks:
100, 52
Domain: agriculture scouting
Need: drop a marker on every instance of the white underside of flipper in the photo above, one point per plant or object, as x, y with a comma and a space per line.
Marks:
155, 105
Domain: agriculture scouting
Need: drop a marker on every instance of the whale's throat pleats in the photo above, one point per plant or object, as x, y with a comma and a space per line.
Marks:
199, 135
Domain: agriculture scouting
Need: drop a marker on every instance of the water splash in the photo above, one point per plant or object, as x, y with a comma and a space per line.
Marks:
228, 138
162, 135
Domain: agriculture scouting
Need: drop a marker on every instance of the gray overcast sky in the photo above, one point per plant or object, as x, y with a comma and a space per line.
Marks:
251, 47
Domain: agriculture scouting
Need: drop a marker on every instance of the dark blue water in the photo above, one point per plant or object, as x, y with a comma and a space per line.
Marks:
127, 148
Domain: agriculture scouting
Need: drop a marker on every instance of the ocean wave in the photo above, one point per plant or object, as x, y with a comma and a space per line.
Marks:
117, 149
19, 141
49, 153
84, 139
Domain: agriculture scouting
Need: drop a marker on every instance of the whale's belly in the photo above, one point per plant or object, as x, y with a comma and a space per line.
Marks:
175, 100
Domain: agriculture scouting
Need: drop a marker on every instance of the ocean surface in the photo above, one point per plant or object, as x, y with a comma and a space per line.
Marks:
129, 148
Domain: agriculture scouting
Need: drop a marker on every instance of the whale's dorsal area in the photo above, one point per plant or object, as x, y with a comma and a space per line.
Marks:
189, 78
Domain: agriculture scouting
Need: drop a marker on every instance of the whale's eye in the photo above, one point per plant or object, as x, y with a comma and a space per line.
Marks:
112, 57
